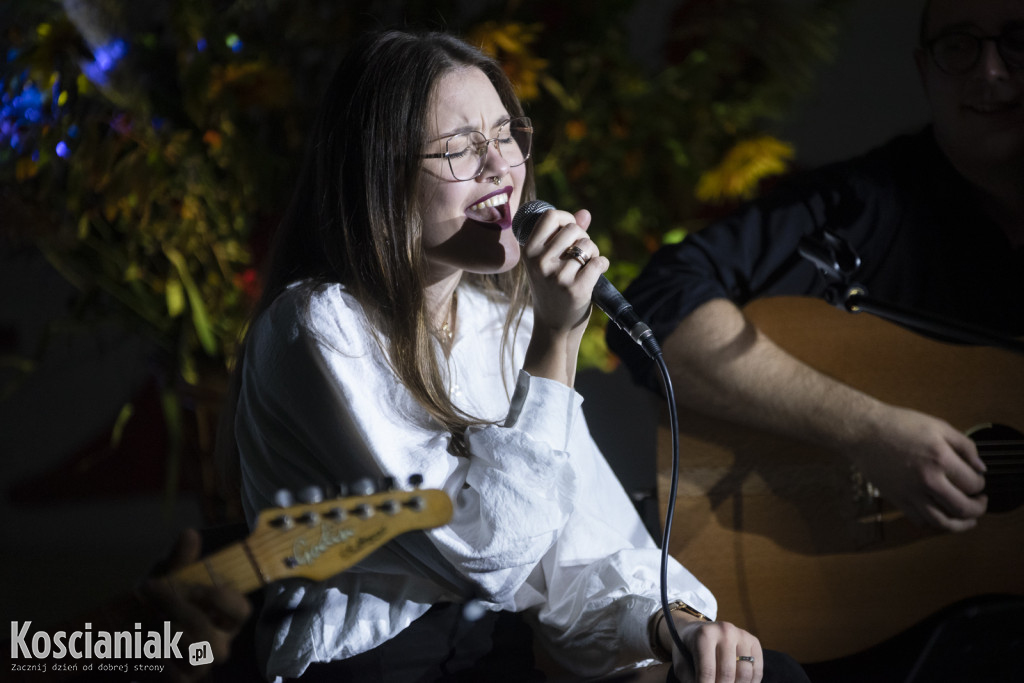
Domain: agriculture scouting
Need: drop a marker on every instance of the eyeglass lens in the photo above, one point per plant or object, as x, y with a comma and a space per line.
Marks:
957, 53
467, 152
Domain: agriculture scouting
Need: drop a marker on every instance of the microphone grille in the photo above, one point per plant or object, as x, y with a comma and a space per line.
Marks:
526, 217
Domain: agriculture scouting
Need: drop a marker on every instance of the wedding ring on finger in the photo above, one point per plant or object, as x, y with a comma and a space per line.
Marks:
744, 658
574, 252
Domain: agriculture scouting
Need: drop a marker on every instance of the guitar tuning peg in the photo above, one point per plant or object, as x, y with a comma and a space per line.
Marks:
283, 498
416, 480
343, 491
362, 487
311, 494
388, 483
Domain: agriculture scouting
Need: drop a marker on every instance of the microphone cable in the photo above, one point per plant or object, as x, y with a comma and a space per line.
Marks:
673, 421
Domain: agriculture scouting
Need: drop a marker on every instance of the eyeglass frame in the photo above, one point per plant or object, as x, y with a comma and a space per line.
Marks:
980, 41
485, 145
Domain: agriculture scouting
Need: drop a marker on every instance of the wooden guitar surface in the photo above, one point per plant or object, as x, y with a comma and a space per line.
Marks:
771, 526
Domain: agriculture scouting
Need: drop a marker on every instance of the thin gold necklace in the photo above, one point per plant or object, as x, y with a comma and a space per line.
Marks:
448, 326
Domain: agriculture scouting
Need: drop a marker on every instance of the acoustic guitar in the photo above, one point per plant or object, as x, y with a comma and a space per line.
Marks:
796, 545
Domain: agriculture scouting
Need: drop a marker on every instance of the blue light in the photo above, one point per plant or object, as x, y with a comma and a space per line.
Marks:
62, 150
201, 45
29, 98
105, 58
108, 55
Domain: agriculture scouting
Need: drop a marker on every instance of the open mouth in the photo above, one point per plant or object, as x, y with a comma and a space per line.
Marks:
492, 209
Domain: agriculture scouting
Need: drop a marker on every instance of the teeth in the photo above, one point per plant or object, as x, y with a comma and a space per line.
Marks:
496, 200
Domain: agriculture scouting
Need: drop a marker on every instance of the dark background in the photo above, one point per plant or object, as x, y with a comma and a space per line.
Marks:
71, 541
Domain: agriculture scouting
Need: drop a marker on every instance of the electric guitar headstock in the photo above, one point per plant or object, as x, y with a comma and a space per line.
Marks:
320, 538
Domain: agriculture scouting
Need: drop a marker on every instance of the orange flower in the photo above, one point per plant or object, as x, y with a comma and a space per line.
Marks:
509, 43
214, 139
576, 129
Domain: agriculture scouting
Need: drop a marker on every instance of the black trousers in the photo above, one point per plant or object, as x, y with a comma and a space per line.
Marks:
442, 647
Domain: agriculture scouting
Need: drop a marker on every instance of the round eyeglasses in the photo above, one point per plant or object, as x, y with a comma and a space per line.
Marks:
466, 153
958, 52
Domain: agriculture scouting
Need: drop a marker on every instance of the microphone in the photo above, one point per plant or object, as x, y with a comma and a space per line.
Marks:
605, 296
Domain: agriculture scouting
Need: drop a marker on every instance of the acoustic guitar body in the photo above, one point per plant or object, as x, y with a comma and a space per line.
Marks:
776, 528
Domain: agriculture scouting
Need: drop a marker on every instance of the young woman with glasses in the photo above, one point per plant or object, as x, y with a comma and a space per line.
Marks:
404, 331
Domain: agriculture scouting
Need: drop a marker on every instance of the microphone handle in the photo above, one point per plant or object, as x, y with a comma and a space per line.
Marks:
615, 306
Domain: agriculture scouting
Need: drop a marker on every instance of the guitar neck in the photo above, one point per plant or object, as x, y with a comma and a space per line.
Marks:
232, 566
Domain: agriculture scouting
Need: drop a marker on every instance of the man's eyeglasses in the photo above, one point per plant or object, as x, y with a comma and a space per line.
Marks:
466, 153
958, 52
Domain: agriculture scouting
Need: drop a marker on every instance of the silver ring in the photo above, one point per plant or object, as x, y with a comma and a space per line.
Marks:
577, 254
744, 658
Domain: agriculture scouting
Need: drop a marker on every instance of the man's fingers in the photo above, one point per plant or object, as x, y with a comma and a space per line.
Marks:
935, 516
967, 449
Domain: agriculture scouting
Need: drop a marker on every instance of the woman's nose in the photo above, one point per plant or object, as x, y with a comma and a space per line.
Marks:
494, 163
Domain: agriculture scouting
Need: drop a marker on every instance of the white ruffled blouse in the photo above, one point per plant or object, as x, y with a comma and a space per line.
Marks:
541, 523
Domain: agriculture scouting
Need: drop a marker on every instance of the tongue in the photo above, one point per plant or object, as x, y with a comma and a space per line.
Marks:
487, 214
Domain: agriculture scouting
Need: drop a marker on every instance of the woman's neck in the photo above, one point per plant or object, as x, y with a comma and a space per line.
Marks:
440, 296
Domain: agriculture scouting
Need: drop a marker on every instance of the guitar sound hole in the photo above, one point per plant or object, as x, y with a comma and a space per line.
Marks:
1002, 449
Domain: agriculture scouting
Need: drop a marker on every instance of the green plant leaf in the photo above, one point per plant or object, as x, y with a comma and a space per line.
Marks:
200, 319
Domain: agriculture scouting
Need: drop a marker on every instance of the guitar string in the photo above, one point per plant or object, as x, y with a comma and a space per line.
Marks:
231, 565
1003, 456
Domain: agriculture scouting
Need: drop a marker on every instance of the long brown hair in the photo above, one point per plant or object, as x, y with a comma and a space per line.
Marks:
354, 217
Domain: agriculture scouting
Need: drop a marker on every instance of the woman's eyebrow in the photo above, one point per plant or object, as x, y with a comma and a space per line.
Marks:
454, 131
469, 128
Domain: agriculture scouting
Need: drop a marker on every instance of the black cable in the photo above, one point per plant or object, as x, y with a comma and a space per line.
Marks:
673, 423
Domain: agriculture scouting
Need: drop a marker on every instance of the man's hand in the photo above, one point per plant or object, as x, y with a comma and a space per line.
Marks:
724, 366
203, 613
921, 464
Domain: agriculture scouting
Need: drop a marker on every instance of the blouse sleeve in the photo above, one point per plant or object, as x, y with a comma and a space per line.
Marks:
319, 405
516, 491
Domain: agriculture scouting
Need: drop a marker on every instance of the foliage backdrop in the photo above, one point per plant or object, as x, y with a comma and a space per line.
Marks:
147, 148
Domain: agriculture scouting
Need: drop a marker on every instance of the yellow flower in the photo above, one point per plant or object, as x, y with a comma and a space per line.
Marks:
510, 44
744, 166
